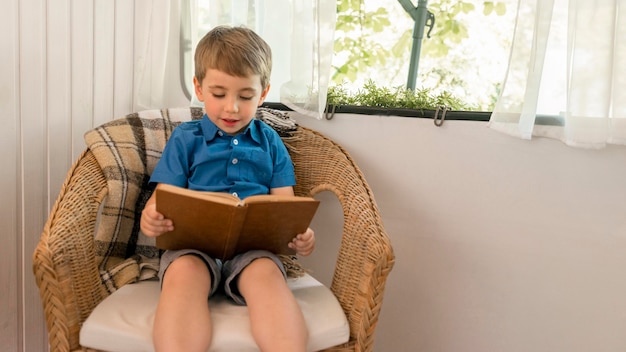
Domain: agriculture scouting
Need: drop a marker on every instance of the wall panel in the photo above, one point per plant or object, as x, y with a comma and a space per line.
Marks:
82, 73
103, 60
59, 89
65, 67
501, 244
32, 153
124, 57
9, 139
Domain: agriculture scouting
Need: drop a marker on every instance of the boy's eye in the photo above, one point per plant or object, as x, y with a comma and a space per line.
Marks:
220, 96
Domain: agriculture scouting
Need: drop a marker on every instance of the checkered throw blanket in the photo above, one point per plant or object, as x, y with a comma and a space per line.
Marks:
127, 150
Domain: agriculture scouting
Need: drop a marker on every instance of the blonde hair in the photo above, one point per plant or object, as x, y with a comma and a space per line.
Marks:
237, 51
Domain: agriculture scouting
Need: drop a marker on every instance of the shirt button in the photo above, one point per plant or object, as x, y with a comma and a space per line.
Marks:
235, 194
235, 161
220, 133
235, 142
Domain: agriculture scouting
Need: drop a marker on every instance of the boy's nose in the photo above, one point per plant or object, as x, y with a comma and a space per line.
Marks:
231, 105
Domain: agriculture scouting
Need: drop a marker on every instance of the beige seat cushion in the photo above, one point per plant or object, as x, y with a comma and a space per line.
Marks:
123, 321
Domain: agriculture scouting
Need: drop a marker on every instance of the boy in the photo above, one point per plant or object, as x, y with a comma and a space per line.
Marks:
226, 151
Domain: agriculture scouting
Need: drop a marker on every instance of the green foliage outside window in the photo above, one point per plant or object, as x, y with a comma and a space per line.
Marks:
356, 52
372, 95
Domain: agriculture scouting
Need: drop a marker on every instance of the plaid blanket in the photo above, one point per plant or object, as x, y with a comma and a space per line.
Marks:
127, 150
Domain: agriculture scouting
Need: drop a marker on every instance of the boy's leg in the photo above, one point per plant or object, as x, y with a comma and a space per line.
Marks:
275, 317
182, 321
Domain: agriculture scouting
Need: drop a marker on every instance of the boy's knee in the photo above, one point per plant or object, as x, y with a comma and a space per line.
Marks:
262, 269
187, 266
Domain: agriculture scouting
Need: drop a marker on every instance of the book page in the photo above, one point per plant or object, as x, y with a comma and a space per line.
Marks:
219, 197
266, 198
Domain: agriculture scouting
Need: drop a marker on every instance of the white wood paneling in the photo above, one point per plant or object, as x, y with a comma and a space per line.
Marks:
33, 122
83, 72
124, 57
104, 63
9, 216
59, 89
65, 67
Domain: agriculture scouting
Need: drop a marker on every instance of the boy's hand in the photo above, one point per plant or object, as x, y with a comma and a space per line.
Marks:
304, 243
152, 222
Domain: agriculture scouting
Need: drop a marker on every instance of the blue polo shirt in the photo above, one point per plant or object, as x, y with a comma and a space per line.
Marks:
200, 156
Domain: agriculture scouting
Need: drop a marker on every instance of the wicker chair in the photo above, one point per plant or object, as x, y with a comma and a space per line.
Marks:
70, 284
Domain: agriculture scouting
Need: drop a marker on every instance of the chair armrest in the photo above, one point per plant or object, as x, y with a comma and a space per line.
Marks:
365, 255
64, 261
364, 261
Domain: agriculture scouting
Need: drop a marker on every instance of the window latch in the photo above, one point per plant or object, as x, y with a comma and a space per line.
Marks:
437, 119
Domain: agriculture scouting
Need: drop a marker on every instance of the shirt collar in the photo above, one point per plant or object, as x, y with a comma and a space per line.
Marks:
210, 130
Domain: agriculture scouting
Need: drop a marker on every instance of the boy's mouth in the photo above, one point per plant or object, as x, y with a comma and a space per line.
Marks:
230, 122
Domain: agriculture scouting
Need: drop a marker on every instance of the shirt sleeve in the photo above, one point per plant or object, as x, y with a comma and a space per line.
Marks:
173, 167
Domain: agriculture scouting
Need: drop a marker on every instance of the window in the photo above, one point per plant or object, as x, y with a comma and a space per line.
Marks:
465, 55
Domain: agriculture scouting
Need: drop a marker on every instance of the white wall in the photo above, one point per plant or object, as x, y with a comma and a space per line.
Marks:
501, 244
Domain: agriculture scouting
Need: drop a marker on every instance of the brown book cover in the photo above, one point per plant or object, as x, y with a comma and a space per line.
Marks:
223, 225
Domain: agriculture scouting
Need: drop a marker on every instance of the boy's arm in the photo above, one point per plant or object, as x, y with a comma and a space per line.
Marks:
282, 191
152, 222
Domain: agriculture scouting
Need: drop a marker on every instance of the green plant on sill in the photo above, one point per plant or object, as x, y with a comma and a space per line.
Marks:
399, 97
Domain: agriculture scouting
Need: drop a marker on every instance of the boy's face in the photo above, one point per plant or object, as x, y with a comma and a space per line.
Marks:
230, 101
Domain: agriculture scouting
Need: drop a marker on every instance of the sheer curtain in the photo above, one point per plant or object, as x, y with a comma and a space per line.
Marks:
301, 35
568, 60
156, 79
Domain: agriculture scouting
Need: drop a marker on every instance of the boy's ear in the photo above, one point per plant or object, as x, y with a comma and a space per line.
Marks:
197, 87
264, 94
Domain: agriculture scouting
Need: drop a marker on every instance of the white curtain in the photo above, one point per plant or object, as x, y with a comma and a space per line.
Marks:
157, 82
301, 35
568, 60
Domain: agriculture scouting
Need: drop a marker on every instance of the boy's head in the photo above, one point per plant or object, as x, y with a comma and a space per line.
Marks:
237, 51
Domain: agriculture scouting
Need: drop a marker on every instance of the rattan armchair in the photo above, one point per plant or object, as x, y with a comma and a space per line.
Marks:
70, 283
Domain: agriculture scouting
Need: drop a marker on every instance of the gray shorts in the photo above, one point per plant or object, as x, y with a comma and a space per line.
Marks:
229, 270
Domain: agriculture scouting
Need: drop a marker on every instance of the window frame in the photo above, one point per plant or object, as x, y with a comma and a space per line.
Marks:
186, 73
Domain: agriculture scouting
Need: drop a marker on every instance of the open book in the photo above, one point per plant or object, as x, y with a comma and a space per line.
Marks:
223, 225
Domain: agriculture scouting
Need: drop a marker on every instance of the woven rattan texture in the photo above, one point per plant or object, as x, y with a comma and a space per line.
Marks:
70, 285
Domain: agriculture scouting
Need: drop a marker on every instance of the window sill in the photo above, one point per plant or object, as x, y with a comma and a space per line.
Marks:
484, 116
428, 114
